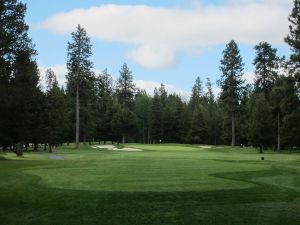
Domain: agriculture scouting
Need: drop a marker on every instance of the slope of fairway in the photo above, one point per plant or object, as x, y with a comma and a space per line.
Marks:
163, 184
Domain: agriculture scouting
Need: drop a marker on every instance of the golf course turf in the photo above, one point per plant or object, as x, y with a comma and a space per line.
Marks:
161, 185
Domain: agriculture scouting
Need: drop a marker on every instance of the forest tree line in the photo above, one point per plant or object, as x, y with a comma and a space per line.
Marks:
264, 114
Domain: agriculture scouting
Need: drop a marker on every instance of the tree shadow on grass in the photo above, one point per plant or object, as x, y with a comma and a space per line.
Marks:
26, 202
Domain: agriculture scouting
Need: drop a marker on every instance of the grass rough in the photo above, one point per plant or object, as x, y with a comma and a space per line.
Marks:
163, 184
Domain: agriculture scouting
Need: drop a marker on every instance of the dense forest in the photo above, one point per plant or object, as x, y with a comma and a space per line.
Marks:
94, 107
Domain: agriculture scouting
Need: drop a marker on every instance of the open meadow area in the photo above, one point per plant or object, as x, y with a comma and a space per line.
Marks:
162, 184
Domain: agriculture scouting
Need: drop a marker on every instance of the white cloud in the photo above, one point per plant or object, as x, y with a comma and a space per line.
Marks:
158, 33
153, 57
60, 71
149, 87
249, 77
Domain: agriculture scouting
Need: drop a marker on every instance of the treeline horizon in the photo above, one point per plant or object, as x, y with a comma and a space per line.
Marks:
92, 107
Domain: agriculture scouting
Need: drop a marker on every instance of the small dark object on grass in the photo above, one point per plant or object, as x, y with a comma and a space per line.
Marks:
262, 158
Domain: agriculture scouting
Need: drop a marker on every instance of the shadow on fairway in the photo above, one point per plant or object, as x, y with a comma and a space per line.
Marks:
29, 203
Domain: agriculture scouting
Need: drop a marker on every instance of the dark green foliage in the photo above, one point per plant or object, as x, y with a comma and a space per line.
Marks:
198, 133
104, 106
56, 112
125, 87
156, 118
262, 124
124, 123
292, 38
18, 75
231, 80
81, 84
231, 83
142, 109
78, 63
266, 65
197, 94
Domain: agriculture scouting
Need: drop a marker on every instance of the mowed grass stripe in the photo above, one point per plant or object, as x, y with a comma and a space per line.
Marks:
164, 184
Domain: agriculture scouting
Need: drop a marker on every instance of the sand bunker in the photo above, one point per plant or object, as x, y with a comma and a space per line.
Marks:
113, 148
56, 157
205, 146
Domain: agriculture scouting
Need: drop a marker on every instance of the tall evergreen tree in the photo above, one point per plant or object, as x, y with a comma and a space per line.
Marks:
56, 111
231, 82
142, 109
14, 41
25, 86
197, 94
156, 118
163, 94
125, 87
212, 117
260, 122
198, 132
293, 41
266, 65
104, 105
292, 38
79, 66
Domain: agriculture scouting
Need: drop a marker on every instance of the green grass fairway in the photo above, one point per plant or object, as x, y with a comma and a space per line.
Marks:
162, 185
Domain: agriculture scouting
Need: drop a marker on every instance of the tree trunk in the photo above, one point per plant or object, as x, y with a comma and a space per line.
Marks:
278, 131
50, 148
19, 150
123, 139
35, 147
77, 117
233, 130
260, 149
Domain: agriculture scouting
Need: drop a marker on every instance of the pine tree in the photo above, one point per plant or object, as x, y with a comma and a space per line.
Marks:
260, 122
80, 74
142, 109
56, 111
104, 105
125, 88
124, 123
266, 65
209, 102
13, 41
292, 38
293, 41
162, 92
197, 94
198, 131
25, 86
156, 118
231, 82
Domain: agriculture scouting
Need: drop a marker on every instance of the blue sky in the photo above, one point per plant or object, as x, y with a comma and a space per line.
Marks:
170, 41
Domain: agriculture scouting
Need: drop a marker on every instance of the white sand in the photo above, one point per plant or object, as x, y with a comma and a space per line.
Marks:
113, 148
205, 146
56, 157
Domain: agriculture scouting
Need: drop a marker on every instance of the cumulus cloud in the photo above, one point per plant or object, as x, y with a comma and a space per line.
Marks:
153, 57
60, 71
158, 33
249, 77
149, 87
